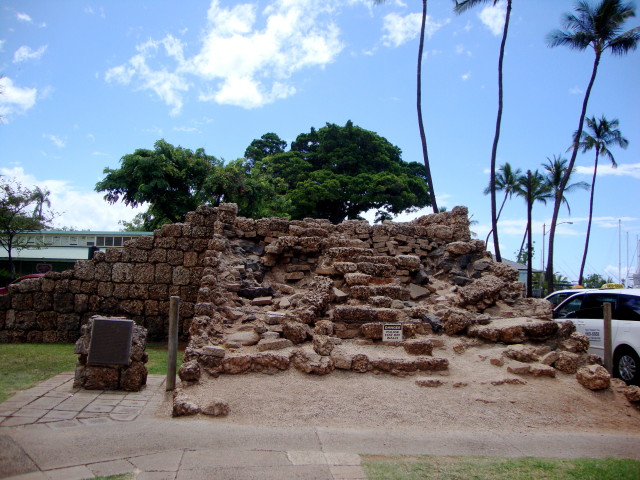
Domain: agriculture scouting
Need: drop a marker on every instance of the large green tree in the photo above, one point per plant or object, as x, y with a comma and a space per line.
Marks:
169, 179
339, 172
423, 137
18, 216
600, 135
600, 27
173, 181
461, 6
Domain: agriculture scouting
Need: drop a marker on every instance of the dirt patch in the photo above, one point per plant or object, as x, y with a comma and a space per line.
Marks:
466, 400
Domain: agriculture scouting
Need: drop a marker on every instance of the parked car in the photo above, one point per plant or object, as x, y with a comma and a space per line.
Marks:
585, 309
5, 290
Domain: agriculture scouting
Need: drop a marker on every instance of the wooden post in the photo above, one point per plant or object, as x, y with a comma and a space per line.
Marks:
172, 355
608, 358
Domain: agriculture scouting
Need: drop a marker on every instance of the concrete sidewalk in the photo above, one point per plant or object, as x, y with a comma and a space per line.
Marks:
53, 431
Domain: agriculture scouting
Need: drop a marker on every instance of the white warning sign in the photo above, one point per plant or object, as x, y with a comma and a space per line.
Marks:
392, 332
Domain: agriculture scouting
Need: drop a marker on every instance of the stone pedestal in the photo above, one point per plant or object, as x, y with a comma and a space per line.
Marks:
130, 376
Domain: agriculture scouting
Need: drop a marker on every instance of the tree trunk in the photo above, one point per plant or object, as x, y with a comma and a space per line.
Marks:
423, 138
494, 149
586, 242
529, 245
524, 239
504, 200
565, 178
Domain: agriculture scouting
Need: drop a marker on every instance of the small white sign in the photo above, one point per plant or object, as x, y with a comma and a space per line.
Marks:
392, 332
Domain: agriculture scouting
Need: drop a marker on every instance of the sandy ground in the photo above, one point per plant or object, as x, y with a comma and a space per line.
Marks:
467, 400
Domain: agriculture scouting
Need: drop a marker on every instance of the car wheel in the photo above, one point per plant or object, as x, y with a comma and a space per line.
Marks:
626, 365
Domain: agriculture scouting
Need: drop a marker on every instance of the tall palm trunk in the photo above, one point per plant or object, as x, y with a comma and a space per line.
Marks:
494, 149
524, 239
586, 242
504, 200
423, 138
529, 243
565, 179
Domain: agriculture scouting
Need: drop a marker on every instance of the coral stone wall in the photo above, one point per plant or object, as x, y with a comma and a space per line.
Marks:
184, 259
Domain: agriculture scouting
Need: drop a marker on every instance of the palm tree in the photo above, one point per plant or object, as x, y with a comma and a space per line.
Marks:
534, 187
460, 7
423, 138
601, 135
41, 197
505, 181
598, 27
556, 169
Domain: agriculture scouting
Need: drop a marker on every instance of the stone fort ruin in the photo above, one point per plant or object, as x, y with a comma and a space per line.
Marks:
264, 295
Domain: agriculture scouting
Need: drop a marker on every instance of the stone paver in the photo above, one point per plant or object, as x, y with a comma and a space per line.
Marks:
72, 473
159, 462
114, 467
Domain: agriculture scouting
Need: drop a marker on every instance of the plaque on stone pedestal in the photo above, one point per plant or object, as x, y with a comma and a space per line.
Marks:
110, 342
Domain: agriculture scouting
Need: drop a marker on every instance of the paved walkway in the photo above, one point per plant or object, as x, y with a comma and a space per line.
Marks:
54, 431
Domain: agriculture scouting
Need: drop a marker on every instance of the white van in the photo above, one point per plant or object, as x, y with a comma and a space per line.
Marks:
585, 309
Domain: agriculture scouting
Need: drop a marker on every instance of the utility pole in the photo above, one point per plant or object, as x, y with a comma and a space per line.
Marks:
619, 252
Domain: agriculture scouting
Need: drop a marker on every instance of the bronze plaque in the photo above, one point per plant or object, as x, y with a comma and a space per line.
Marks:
110, 342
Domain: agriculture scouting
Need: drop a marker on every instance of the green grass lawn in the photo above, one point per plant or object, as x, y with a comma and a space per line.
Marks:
489, 468
26, 364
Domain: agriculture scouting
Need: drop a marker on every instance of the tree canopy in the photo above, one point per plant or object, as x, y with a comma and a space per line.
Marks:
173, 181
339, 172
335, 172
170, 179
268, 144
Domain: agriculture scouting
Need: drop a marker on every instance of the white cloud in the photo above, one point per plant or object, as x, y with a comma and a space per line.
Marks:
76, 208
15, 99
493, 17
401, 29
623, 170
57, 141
186, 129
23, 17
2, 42
166, 85
25, 53
90, 11
120, 74
243, 64
465, 76
460, 49
576, 91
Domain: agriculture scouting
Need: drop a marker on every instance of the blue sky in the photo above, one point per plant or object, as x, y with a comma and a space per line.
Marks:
87, 82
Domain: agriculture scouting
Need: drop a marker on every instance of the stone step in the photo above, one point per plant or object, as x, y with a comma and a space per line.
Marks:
364, 314
219, 361
364, 292
377, 269
514, 330
347, 253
